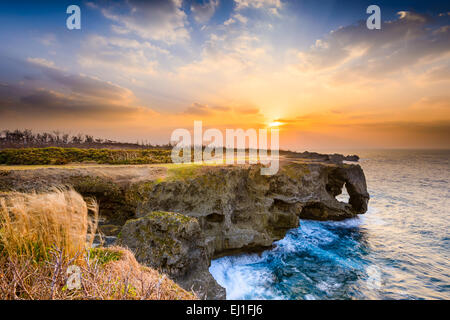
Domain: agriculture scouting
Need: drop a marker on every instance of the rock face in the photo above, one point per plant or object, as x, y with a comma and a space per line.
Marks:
182, 217
174, 244
239, 210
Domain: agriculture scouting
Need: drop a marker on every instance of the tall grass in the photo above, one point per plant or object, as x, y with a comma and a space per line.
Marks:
31, 224
43, 234
120, 278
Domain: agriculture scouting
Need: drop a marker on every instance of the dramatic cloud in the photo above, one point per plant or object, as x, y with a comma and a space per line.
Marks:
400, 44
243, 62
81, 85
70, 95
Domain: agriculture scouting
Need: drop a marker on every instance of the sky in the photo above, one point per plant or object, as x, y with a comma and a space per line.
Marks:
137, 70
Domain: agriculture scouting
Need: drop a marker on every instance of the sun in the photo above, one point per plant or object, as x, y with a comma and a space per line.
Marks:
275, 124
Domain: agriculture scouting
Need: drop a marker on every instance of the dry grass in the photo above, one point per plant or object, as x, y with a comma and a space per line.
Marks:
122, 279
30, 224
43, 236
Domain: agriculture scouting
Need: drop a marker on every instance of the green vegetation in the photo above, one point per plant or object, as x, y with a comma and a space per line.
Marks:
296, 170
183, 171
105, 255
59, 156
158, 230
170, 218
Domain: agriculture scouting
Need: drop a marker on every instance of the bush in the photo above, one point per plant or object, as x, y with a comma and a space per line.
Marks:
59, 156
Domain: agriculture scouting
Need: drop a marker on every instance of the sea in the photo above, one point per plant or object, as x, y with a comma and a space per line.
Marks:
398, 249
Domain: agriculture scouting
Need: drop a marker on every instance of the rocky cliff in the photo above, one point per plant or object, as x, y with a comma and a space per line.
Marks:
178, 218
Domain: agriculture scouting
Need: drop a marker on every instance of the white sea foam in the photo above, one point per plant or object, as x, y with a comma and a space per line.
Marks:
404, 234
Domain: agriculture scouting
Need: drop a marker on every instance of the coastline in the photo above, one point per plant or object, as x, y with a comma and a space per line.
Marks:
233, 208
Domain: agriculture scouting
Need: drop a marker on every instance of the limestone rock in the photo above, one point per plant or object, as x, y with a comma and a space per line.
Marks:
174, 244
240, 210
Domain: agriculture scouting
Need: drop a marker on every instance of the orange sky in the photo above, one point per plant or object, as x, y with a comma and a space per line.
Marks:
350, 88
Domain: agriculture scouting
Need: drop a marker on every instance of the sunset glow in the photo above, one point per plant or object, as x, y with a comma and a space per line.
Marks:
275, 124
230, 150
138, 70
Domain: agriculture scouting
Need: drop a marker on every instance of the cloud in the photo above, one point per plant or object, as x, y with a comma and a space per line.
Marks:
162, 20
439, 73
271, 5
42, 62
247, 110
198, 109
401, 44
129, 55
205, 110
203, 12
50, 104
236, 17
439, 130
259, 12
78, 84
227, 55
47, 39
432, 107
56, 94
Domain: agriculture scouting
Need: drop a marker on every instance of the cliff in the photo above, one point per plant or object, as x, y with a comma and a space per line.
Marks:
177, 218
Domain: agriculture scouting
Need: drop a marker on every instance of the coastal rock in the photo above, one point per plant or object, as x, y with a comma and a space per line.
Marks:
178, 218
174, 244
352, 157
240, 210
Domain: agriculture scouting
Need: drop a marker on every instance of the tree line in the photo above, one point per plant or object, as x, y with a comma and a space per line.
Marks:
27, 138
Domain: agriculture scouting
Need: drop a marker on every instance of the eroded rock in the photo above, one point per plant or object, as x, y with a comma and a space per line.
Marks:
239, 210
174, 244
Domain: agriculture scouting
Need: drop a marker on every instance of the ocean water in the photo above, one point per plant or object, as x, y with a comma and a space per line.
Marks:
399, 249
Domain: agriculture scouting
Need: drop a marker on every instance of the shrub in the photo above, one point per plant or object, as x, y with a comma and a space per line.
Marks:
59, 156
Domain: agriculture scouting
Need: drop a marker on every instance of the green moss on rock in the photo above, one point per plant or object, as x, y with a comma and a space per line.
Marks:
160, 239
296, 170
172, 219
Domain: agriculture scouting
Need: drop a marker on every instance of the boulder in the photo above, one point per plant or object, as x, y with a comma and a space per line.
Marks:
173, 244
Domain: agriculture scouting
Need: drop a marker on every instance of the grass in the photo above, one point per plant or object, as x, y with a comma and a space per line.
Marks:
63, 156
60, 156
30, 224
44, 235
121, 278
104, 256
183, 171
